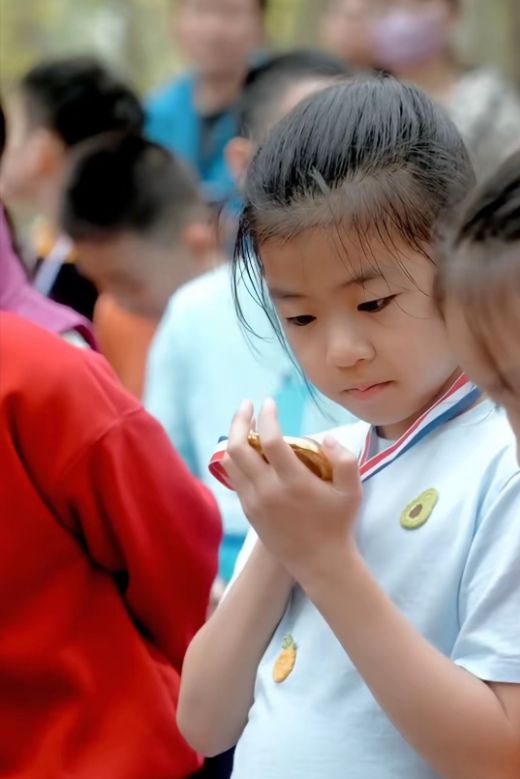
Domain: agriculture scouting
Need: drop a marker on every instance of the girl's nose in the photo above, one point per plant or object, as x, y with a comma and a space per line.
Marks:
346, 347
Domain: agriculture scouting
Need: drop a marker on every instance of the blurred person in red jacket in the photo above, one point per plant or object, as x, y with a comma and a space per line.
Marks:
108, 552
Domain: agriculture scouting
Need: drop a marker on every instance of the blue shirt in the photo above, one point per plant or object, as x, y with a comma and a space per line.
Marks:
202, 366
174, 122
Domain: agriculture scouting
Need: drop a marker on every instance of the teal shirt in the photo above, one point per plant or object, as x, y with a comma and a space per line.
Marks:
173, 121
202, 366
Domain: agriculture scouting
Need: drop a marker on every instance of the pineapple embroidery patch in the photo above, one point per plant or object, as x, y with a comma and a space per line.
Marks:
286, 660
419, 510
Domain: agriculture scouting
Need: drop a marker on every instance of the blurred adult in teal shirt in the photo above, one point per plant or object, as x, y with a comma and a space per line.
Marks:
194, 115
202, 363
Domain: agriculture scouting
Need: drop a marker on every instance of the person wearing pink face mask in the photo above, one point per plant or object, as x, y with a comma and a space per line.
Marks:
413, 39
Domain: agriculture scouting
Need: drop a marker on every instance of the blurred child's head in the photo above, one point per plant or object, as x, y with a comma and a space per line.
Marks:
271, 91
391, 34
137, 219
57, 105
342, 203
479, 288
218, 37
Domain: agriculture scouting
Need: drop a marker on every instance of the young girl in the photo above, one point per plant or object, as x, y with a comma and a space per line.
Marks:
480, 288
373, 632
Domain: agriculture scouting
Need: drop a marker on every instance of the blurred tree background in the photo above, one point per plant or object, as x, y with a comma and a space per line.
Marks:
137, 35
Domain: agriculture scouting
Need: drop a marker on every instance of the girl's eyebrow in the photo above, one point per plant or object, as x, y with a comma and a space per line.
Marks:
284, 294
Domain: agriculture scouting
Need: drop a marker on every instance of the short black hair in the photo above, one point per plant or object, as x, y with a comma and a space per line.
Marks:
267, 82
124, 183
78, 97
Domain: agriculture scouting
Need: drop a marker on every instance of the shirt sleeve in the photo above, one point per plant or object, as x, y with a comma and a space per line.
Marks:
147, 521
168, 380
488, 644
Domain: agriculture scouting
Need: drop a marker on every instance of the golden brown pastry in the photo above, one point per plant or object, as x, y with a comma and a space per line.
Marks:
306, 449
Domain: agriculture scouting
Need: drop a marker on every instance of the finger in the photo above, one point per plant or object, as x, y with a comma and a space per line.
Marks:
242, 454
239, 481
279, 454
345, 468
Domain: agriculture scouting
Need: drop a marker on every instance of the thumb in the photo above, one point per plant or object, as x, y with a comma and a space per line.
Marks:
345, 468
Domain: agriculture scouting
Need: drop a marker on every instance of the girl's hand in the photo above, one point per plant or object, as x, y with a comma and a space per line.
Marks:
300, 518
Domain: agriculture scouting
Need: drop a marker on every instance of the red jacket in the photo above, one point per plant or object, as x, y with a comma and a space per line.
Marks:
108, 548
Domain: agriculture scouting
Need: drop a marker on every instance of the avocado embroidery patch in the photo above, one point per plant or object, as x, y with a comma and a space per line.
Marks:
419, 510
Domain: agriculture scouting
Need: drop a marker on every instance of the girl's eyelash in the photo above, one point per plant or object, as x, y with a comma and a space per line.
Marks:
369, 307
300, 321
375, 306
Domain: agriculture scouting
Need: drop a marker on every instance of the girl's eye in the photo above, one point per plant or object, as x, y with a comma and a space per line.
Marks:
300, 321
375, 306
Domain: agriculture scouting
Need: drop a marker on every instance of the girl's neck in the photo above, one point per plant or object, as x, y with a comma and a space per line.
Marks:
438, 76
394, 431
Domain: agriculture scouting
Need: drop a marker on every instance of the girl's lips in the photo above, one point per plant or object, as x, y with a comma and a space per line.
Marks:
367, 393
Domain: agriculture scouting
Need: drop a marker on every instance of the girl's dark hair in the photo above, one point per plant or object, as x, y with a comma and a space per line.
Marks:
373, 154
124, 183
78, 98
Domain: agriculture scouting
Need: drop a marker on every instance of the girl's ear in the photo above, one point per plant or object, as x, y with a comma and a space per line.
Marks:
238, 156
200, 238
46, 153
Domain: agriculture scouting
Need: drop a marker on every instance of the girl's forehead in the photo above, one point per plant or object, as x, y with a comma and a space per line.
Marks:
328, 256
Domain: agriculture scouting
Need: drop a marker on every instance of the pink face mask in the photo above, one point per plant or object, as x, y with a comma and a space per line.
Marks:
404, 38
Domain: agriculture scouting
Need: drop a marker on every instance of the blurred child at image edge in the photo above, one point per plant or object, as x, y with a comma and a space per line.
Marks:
480, 289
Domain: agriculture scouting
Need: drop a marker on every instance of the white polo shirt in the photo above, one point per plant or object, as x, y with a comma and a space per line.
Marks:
456, 578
